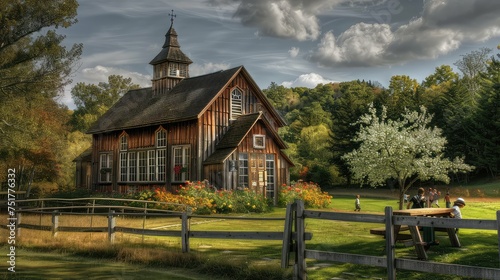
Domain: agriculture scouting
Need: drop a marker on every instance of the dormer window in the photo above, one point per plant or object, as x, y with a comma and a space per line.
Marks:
236, 103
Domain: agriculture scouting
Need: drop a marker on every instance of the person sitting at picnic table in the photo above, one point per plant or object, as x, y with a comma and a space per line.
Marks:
418, 200
457, 213
457, 205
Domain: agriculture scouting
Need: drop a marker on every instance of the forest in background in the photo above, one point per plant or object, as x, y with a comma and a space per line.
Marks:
40, 137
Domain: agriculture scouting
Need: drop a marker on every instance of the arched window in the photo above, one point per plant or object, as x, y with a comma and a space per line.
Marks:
236, 103
124, 143
161, 138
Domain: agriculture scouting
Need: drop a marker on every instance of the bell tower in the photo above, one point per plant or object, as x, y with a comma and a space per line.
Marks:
171, 65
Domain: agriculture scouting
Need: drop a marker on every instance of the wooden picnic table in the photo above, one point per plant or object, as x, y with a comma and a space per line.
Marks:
419, 243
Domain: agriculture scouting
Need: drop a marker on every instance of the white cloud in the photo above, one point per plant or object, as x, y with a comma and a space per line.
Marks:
443, 27
361, 44
201, 69
293, 52
295, 19
310, 80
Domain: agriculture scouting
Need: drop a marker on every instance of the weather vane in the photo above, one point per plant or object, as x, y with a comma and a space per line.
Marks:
172, 17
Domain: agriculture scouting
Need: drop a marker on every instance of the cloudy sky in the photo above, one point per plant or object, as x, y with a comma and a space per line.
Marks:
290, 42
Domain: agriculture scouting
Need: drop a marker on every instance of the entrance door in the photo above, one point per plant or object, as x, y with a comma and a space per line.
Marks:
258, 175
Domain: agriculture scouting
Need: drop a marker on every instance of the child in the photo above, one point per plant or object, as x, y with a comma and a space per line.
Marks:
457, 205
357, 204
417, 201
447, 200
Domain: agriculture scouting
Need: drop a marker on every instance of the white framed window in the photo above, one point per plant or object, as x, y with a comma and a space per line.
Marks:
243, 170
123, 167
181, 155
132, 167
236, 103
142, 165
161, 156
259, 141
124, 143
105, 167
152, 165
161, 138
270, 171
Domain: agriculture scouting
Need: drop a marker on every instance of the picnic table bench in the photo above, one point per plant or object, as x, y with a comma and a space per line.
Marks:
420, 245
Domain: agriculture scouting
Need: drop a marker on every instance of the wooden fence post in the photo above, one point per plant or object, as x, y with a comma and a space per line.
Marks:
389, 244
111, 226
287, 236
185, 232
300, 262
55, 222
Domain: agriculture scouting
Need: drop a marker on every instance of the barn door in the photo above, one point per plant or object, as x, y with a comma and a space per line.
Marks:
258, 175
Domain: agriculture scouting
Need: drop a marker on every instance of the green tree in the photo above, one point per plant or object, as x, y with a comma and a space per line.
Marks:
31, 52
34, 67
472, 65
351, 102
403, 93
406, 150
92, 101
485, 136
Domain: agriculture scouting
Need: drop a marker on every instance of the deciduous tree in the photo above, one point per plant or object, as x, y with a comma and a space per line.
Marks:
406, 150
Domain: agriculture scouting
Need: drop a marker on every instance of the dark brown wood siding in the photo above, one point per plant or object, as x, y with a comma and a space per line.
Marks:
182, 133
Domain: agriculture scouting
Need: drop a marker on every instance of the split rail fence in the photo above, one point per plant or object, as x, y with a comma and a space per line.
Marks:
293, 236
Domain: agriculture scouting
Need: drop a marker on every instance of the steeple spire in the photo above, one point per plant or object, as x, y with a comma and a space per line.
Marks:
171, 65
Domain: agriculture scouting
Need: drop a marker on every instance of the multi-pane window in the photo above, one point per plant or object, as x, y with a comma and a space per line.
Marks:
123, 143
161, 138
152, 165
270, 170
142, 164
161, 162
145, 165
180, 160
243, 170
105, 167
132, 166
123, 167
236, 103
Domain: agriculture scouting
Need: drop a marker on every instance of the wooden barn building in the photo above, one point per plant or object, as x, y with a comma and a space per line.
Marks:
219, 128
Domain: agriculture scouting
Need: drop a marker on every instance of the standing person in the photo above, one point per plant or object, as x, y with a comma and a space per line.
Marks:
417, 201
357, 204
430, 197
447, 200
435, 200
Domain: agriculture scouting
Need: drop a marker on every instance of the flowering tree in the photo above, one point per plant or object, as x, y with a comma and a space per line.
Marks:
406, 150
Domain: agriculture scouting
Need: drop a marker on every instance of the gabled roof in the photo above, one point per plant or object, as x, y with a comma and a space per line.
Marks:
186, 101
237, 131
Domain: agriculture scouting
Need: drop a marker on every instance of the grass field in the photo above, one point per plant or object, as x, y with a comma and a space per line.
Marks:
479, 247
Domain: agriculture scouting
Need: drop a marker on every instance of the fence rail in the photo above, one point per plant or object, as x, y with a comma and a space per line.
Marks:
389, 261
293, 235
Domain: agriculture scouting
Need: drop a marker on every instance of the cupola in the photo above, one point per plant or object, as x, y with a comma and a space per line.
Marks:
171, 65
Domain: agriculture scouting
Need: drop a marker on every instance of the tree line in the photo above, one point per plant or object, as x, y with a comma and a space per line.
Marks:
324, 121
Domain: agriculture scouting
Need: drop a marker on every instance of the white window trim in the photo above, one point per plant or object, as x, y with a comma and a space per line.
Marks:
257, 138
185, 163
107, 159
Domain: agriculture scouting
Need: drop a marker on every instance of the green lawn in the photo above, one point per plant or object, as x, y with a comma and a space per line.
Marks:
479, 247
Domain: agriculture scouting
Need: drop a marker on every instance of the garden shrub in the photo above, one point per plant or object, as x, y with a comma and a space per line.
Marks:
310, 193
